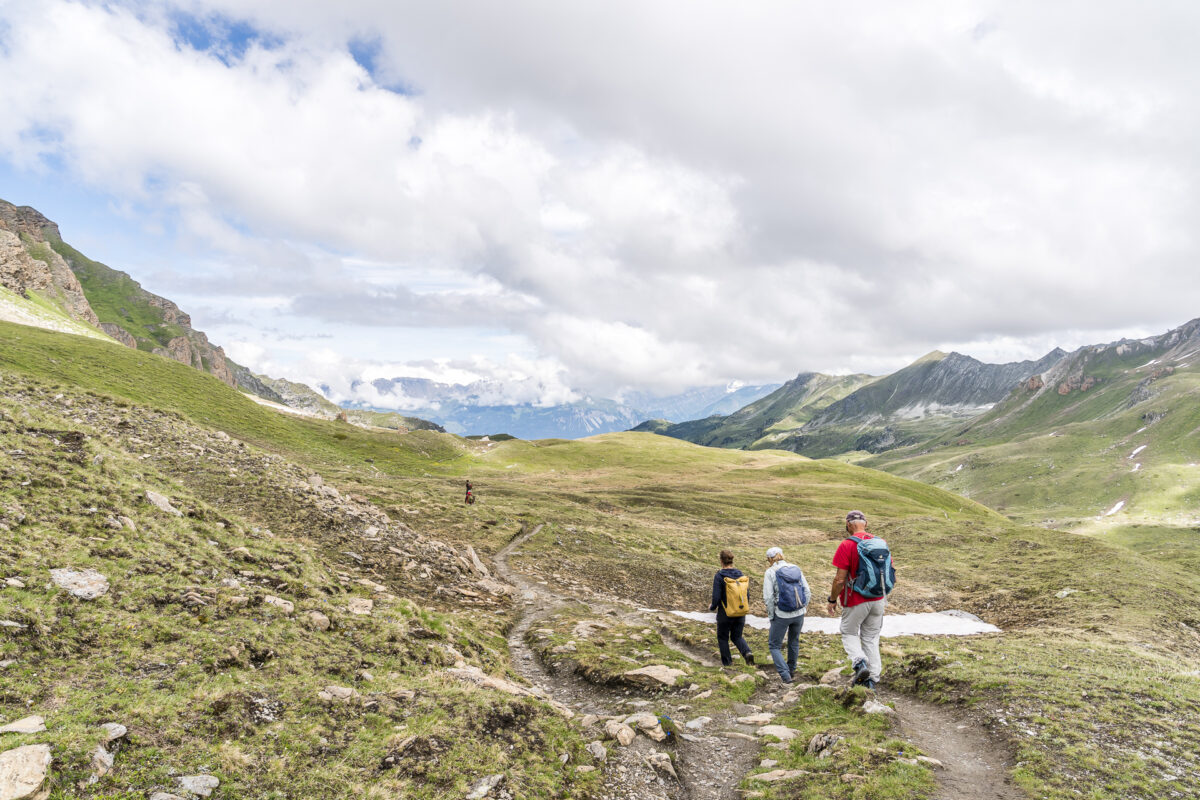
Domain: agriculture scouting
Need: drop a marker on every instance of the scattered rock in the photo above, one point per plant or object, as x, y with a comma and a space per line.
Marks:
745, 676
850, 777
112, 732
198, 785
23, 771
588, 720
341, 694
821, 744
165, 796
287, 606
767, 763
318, 621
706, 693
484, 786
87, 584
698, 723
779, 775
642, 720
656, 673
933, 762
876, 707
128, 523
162, 504
14, 583
781, 732
360, 605
756, 719
1065, 593
832, 676
619, 731
662, 763
585, 768
598, 751
34, 724
476, 563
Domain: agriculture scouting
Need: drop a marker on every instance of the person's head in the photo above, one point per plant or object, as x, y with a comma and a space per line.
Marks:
774, 554
726, 558
856, 522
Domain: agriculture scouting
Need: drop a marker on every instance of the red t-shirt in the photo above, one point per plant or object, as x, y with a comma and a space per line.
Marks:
846, 557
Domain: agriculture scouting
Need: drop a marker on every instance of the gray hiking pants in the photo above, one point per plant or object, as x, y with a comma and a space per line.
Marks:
861, 625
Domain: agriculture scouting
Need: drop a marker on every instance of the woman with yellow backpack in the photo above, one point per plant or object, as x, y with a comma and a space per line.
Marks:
731, 601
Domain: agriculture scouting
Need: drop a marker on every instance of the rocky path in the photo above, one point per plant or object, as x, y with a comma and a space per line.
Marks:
973, 767
710, 763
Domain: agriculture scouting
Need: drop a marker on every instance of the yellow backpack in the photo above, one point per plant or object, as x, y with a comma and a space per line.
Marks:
737, 596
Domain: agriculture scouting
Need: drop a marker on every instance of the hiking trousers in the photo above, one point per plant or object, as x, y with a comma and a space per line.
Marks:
792, 627
860, 629
731, 628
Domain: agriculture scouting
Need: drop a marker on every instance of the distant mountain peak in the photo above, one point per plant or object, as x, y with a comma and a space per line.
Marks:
934, 355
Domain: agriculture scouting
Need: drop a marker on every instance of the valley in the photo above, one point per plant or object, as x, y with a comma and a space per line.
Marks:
312, 613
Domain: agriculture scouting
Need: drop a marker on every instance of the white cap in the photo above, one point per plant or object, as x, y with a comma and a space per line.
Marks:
774, 553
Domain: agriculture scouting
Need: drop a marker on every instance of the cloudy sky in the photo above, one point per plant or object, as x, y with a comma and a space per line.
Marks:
588, 197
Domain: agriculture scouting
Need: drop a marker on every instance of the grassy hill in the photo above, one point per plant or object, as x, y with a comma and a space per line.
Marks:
1085, 689
764, 422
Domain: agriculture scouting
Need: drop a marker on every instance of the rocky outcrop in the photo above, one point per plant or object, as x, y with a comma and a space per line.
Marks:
119, 333
29, 263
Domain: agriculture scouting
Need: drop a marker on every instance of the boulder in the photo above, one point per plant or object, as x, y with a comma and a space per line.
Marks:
781, 732
360, 606
622, 733
820, 744
778, 775
34, 724
23, 770
756, 719
112, 732
698, 723
340, 694
198, 785
476, 563
642, 720
86, 584
318, 621
162, 504
598, 751
287, 606
659, 674
662, 763
484, 786
876, 707
832, 676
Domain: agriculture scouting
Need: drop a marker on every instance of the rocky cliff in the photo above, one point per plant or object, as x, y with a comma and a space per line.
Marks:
28, 263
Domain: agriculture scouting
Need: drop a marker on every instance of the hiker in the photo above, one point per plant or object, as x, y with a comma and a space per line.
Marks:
864, 578
785, 593
731, 601
470, 498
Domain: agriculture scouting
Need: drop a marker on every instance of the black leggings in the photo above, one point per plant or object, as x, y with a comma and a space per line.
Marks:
731, 628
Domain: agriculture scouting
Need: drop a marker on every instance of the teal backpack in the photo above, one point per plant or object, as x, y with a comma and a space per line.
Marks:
876, 577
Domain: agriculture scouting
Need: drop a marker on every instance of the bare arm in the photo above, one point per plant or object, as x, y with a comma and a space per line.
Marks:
839, 585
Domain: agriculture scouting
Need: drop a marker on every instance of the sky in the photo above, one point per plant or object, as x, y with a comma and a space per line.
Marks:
575, 199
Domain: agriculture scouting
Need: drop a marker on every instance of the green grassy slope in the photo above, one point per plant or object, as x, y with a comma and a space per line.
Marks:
632, 517
763, 422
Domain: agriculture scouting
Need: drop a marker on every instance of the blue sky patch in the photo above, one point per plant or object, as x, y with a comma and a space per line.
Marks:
225, 38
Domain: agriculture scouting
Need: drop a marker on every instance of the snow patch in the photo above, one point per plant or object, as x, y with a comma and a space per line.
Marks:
1139, 430
959, 467
1115, 509
941, 623
262, 401
1149, 364
1135, 452
1136, 467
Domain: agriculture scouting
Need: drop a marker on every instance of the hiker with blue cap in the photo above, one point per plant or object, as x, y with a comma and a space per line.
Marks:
864, 579
785, 593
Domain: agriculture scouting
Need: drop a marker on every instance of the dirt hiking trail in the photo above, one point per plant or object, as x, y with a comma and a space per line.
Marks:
711, 764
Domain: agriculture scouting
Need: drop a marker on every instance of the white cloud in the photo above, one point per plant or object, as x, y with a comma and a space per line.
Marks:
652, 195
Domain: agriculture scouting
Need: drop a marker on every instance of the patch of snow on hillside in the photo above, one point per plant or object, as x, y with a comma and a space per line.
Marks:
1115, 509
1135, 452
1139, 430
941, 623
1148, 364
1136, 467
14, 308
262, 401
959, 467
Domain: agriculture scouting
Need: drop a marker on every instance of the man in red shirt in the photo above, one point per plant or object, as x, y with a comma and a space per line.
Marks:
862, 617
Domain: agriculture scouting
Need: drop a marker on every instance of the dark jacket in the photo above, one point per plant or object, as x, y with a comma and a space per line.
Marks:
718, 594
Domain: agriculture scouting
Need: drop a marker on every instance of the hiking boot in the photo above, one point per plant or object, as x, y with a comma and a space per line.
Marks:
862, 672
749, 658
870, 684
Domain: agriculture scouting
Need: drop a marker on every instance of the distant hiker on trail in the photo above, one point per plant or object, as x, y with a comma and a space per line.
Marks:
470, 498
785, 593
731, 601
864, 578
